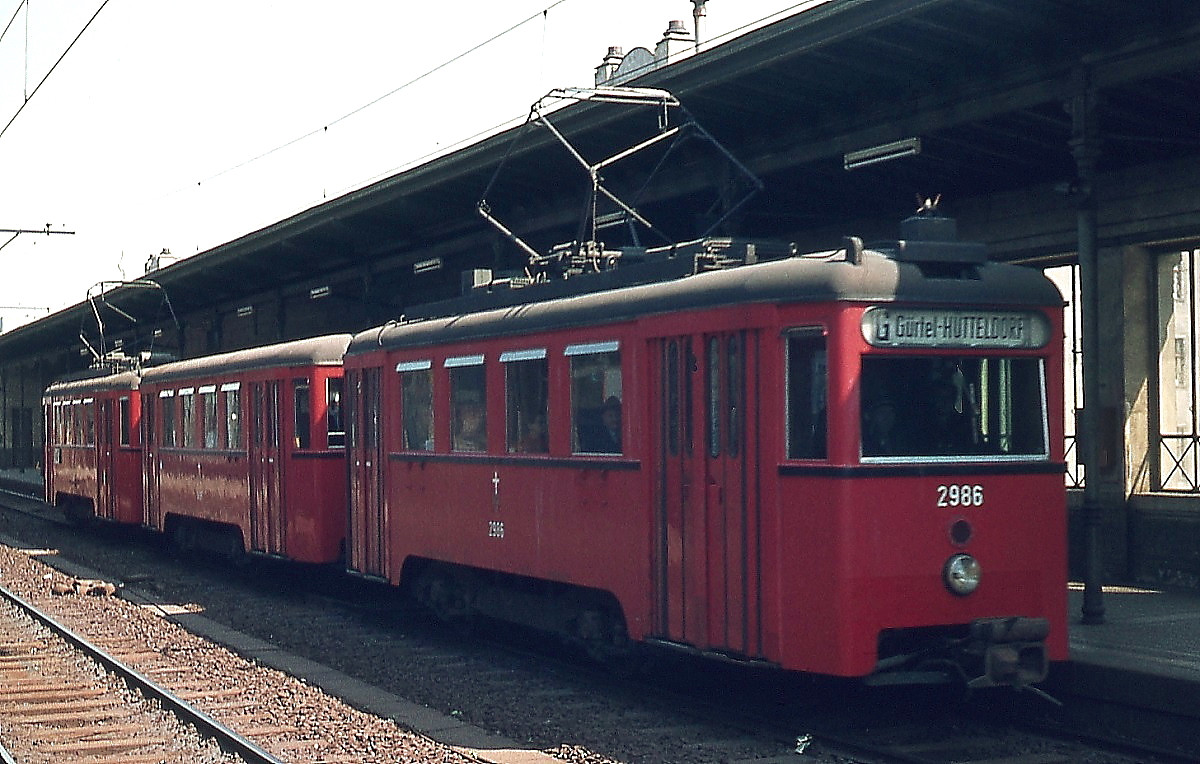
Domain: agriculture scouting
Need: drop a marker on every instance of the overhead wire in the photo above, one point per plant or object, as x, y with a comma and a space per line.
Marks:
543, 14
540, 14
29, 95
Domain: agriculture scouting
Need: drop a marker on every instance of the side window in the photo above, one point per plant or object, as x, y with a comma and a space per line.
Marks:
724, 395
335, 423
416, 405
736, 403
526, 391
807, 373
714, 406
303, 419
233, 415
126, 422
167, 399
468, 399
187, 417
596, 398
89, 422
208, 411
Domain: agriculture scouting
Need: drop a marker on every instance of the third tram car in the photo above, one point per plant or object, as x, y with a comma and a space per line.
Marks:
93, 456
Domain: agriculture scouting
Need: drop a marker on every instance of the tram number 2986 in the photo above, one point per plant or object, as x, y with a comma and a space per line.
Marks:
964, 495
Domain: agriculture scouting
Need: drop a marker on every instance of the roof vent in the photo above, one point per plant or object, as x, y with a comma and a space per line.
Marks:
929, 237
929, 228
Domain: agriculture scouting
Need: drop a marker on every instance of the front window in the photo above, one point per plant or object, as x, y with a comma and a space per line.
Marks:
948, 407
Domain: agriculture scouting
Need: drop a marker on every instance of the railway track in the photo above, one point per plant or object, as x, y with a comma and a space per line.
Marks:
63, 698
750, 716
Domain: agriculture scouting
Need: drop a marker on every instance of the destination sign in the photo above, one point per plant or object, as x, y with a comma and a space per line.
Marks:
893, 327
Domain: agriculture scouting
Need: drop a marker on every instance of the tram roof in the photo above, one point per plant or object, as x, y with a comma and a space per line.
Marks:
315, 351
825, 276
94, 381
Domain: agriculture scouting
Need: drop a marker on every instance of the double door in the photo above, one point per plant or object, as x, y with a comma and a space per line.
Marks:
708, 543
268, 531
367, 553
106, 461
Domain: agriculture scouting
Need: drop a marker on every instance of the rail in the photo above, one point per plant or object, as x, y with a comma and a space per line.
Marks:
227, 739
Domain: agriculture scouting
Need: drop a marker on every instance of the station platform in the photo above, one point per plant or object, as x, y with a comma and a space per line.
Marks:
1146, 653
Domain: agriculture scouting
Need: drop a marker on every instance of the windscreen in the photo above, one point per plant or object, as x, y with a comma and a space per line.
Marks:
946, 407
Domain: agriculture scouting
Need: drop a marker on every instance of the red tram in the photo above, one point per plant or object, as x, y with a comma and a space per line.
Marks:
244, 450
93, 448
847, 463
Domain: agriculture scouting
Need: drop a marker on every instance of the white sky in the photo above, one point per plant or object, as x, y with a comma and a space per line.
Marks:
142, 137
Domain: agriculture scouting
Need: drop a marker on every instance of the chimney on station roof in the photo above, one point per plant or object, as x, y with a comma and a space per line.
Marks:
608, 67
618, 66
675, 40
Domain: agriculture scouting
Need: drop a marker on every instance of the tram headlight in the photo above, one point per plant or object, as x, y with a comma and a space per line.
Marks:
961, 574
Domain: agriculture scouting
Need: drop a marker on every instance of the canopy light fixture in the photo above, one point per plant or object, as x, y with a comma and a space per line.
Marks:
852, 160
426, 266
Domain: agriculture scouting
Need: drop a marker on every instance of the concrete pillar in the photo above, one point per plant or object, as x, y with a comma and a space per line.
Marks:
1141, 344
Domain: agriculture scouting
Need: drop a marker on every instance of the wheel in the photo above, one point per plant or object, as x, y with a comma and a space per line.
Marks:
603, 637
183, 537
446, 596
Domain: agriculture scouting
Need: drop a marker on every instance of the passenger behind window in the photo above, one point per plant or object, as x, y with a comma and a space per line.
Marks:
534, 441
948, 428
603, 434
880, 434
470, 422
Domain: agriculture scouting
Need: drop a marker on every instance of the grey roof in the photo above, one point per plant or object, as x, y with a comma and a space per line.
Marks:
823, 276
318, 351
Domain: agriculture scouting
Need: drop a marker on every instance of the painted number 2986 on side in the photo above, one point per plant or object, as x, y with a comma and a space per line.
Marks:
964, 495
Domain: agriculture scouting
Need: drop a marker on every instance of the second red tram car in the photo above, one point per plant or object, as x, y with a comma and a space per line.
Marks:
243, 451
847, 463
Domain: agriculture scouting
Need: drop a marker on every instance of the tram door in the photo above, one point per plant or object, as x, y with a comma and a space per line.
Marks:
266, 488
151, 508
368, 515
106, 461
707, 545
